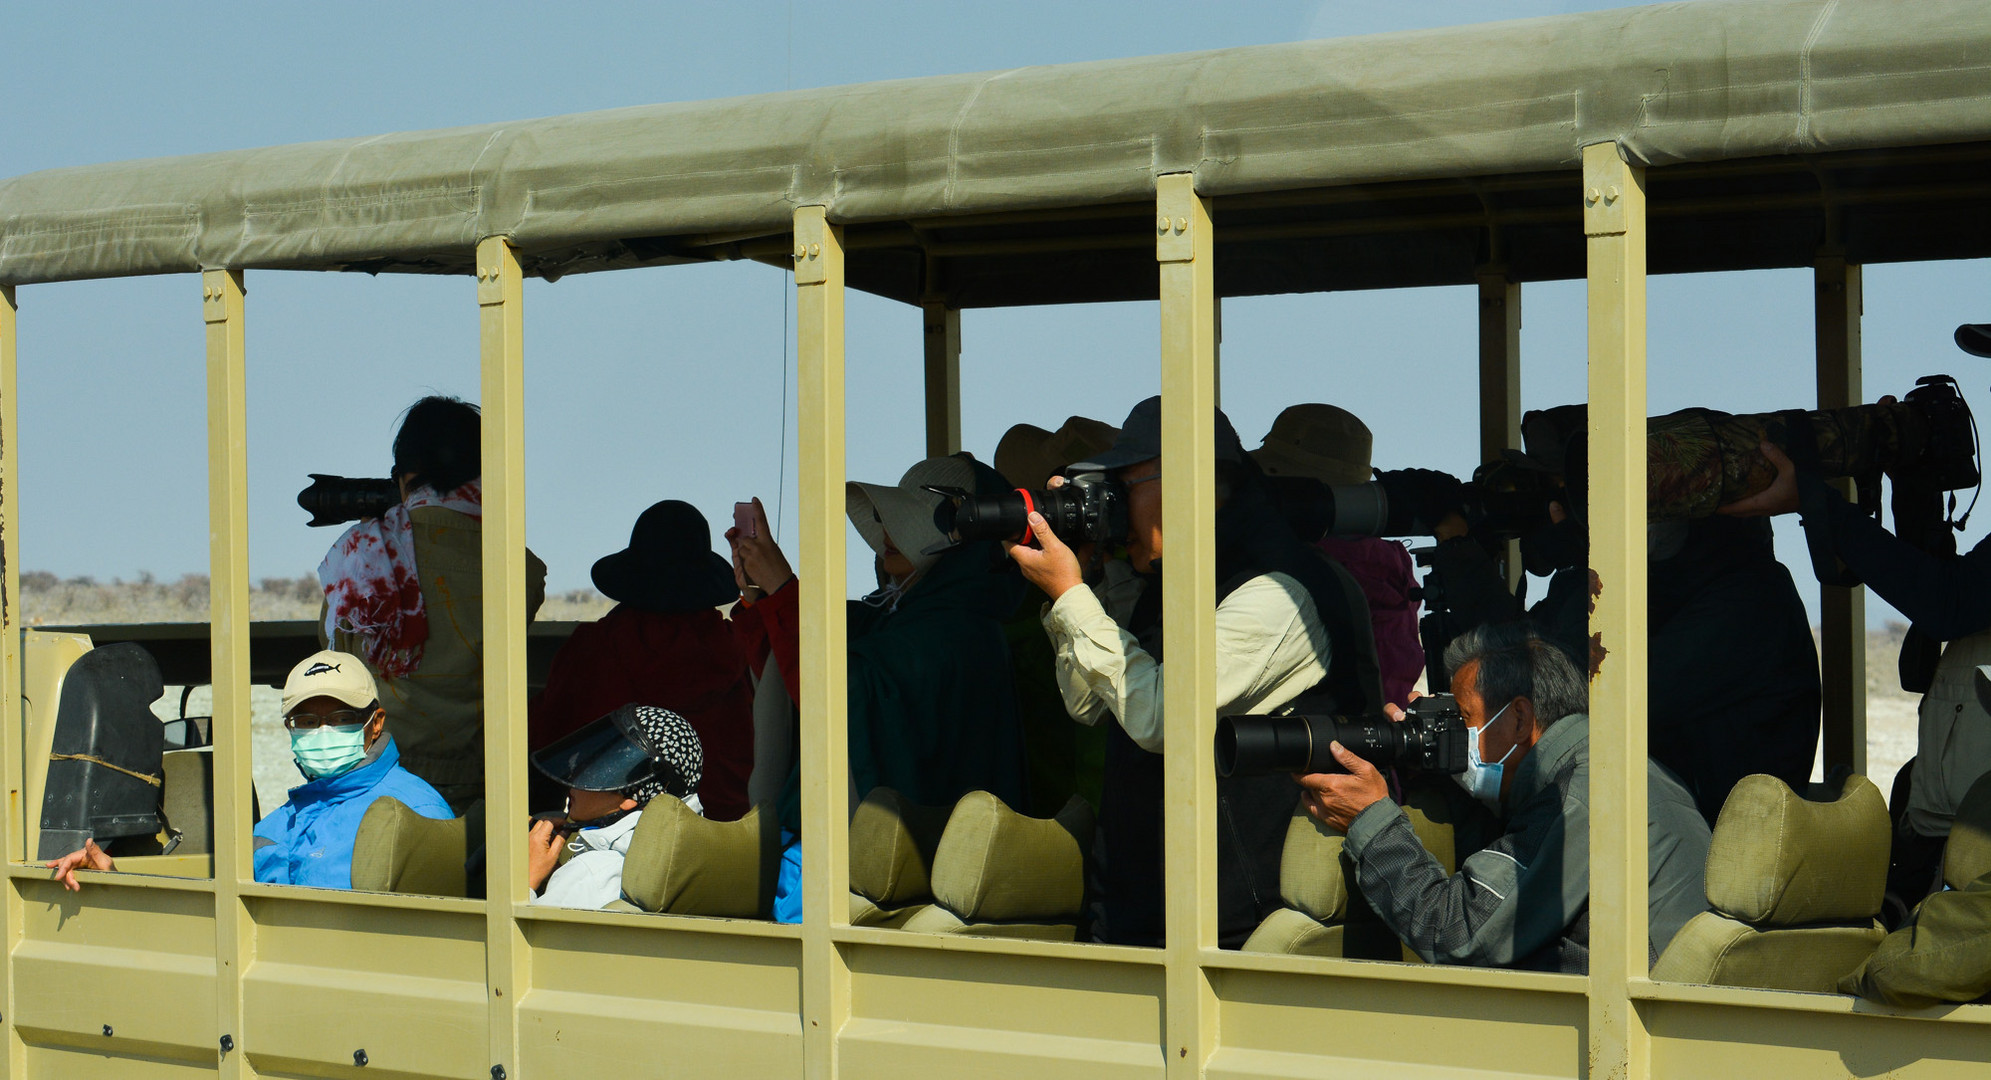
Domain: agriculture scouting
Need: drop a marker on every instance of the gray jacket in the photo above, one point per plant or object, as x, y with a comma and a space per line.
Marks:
1523, 900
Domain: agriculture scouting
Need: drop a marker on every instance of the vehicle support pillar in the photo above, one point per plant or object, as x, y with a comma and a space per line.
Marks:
1614, 227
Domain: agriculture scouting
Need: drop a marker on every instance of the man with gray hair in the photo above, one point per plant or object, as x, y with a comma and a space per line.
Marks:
1523, 900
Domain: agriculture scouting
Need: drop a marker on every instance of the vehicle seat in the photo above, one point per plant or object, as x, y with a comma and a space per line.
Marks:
1795, 886
400, 851
1942, 954
1325, 914
892, 847
682, 864
1967, 852
998, 873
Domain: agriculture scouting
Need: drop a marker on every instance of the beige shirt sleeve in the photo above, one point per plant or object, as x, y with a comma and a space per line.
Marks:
1271, 647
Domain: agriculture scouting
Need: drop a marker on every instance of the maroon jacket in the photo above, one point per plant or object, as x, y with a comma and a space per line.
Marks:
1383, 569
688, 662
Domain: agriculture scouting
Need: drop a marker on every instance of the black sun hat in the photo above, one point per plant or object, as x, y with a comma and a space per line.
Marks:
1974, 338
669, 564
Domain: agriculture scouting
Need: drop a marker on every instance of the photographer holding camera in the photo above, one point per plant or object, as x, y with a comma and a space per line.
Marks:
405, 591
1946, 598
1523, 900
1283, 614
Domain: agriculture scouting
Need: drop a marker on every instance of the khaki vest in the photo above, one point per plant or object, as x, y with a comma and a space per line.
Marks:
436, 714
1953, 744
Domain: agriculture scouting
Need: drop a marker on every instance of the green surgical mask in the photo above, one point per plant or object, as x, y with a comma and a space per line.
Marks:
328, 751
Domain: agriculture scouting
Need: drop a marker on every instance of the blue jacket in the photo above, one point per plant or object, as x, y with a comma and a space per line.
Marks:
309, 840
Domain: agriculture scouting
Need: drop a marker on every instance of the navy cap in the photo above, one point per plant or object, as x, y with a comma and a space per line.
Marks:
1140, 440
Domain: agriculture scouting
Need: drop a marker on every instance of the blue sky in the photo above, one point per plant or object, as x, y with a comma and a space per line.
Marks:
669, 382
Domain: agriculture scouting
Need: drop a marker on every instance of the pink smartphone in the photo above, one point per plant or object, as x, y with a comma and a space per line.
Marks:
743, 519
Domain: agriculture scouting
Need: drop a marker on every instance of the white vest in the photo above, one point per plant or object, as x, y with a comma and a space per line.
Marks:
1954, 738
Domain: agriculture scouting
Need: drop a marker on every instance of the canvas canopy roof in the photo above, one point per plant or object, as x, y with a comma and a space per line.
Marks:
1426, 153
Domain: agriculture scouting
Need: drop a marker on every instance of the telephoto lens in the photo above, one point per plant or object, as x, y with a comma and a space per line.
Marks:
1090, 506
334, 500
1431, 736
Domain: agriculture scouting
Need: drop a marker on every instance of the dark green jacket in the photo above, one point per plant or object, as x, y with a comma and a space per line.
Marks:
932, 697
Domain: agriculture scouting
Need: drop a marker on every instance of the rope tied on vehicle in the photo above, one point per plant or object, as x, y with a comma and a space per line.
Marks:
155, 781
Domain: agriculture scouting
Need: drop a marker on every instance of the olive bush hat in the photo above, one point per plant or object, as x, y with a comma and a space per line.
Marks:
669, 564
1325, 442
1028, 456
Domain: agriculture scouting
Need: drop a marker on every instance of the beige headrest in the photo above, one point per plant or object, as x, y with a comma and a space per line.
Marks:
996, 865
892, 844
1967, 853
1777, 859
682, 864
1311, 876
398, 850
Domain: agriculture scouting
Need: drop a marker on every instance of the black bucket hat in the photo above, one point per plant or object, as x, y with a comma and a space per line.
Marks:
669, 564
639, 750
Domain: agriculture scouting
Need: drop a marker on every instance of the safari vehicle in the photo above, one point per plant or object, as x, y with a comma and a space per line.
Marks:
1680, 138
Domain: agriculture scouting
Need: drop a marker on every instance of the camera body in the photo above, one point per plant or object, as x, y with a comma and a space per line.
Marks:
1089, 507
1431, 736
335, 500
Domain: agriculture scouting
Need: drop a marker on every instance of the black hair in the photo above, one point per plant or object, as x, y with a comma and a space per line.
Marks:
440, 442
1515, 661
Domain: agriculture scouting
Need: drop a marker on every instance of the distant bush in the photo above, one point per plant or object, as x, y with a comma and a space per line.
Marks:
47, 600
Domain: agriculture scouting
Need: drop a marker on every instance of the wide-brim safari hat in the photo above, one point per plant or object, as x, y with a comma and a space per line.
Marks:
918, 521
669, 564
1028, 456
1324, 442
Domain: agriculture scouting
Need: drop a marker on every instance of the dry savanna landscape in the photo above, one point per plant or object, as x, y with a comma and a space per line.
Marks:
47, 600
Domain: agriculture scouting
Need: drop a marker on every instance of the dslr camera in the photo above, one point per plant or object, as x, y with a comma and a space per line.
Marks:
1088, 507
1431, 736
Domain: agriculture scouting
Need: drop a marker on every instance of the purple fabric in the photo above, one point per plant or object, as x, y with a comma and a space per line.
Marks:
1383, 569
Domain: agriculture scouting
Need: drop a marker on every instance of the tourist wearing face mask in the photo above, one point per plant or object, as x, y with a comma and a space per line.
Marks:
1523, 900
338, 736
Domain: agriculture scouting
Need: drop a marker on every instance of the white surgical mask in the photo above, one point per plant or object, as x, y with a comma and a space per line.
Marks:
1482, 778
328, 751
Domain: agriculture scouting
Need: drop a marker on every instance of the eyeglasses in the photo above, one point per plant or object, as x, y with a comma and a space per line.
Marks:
344, 718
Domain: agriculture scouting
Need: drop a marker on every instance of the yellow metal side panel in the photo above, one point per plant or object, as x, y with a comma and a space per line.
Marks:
942, 327
1614, 224
223, 307
1183, 246
825, 747
82, 1063
1842, 612
923, 1013
1278, 1024
648, 1002
139, 961
1719, 1041
406, 986
501, 330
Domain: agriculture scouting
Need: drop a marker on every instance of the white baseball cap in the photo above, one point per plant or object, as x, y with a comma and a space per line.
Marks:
332, 674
